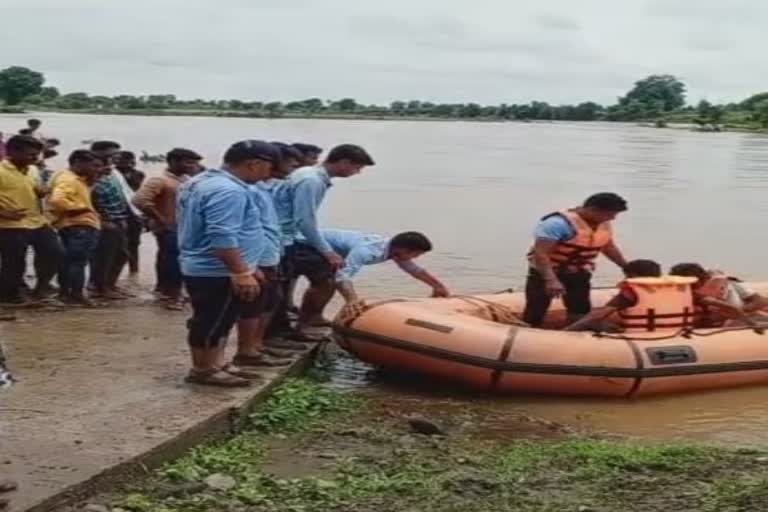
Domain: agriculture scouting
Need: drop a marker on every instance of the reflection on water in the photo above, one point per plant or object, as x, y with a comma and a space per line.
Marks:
478, 188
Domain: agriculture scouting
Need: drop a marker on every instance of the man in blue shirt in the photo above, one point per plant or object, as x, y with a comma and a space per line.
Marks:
252, 347
361, 249
562, 259
221, 240
299, 200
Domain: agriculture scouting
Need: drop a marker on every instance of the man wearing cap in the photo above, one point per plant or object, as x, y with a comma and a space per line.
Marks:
221, 240
297, 203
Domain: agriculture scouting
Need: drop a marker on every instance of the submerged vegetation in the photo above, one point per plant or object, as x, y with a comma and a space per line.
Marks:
311, 448
657, 98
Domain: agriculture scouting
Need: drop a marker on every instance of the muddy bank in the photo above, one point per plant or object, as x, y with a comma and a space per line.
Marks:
314, 448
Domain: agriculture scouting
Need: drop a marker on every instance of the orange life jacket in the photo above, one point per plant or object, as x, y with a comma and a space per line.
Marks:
580, 251
662, 303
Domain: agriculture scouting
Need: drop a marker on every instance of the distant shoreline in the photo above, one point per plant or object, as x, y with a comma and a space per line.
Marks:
671, 124
256, 115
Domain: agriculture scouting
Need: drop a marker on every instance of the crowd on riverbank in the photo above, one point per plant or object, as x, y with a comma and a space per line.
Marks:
231, 240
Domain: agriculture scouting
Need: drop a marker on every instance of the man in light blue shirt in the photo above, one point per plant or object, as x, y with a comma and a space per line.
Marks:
253, 348
360, 250
221, 240
310, 255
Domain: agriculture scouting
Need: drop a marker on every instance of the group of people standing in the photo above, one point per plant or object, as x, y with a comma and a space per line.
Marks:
89, 215
247, 231
235, 238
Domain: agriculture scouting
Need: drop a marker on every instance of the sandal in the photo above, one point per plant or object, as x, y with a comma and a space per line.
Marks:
279, 353
174, 305
282, 344
262, 360
217, 378
244, 373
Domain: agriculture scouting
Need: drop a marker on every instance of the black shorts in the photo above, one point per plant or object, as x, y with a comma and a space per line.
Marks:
308, 262
215, 309
271, 289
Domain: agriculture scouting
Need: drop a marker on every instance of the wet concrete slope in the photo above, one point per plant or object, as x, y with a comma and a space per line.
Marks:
100, 393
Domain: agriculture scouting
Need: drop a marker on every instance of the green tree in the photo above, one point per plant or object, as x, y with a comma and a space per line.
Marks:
470, 110
346, 105
752, 102
16, 83
587, 111
49, 93
129, 102
397, 107
666, 89
761, 113
274, 108
160, 101
444, 110
74, 100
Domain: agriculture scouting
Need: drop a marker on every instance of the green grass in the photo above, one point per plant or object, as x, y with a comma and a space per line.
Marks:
297, 404
383, 467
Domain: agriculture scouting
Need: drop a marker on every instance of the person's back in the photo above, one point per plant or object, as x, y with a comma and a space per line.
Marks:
343, 241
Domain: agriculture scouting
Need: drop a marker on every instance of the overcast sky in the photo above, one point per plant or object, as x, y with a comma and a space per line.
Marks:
489, 51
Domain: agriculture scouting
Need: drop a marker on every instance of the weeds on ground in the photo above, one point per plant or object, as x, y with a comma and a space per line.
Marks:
384, 467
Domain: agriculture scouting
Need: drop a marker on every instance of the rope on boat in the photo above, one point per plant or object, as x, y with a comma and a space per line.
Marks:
686, 333
498, 312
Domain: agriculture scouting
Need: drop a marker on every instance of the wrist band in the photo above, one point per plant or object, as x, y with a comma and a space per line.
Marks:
241, 274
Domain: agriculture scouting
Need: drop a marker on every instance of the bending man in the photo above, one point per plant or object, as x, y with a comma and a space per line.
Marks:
361, 249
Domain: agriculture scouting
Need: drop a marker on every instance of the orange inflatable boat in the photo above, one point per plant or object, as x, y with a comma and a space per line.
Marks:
470, 340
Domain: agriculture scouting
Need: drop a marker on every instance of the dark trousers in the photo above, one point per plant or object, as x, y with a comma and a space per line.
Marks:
47, 254
576, 298
14, 243
110, 255
169, 279
135, 228
280, 322
79, 244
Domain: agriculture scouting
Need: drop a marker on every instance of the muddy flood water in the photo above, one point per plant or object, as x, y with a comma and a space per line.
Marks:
477, 189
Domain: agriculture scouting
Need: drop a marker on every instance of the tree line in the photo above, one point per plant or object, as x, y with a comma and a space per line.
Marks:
658, 98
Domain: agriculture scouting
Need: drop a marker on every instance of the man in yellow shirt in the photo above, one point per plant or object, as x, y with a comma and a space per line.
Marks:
22, 223
77, 221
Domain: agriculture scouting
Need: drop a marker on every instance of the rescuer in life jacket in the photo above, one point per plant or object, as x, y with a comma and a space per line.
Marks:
721, 300
646, 301
562, 259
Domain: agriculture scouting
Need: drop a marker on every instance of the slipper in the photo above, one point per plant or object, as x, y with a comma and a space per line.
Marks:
279, 353
174, 305
244, 373
262, 360
218, 378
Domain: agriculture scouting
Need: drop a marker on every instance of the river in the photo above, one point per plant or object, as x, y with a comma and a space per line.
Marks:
477, 189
